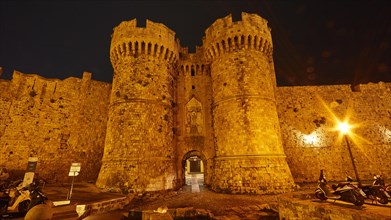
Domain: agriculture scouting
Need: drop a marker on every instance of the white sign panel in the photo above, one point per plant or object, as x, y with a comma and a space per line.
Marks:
29, 174
75, 169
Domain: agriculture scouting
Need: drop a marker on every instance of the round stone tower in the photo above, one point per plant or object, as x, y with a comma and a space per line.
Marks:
249, 153
139, 152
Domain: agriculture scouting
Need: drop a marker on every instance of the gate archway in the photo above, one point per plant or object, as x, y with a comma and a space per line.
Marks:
194, 164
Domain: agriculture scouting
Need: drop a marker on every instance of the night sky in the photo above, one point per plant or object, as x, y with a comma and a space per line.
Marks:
315, 42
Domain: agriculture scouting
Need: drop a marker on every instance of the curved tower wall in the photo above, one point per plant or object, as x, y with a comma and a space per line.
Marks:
139, 148
249, 153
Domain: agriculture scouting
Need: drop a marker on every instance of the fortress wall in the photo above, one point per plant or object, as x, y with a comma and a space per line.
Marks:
58, 121
194, 118
5, 103
307, 117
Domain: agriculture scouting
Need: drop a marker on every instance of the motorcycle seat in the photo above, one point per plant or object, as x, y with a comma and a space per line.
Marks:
342, 184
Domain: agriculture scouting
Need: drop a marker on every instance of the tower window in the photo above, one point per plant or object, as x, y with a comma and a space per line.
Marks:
192, 72
192, 87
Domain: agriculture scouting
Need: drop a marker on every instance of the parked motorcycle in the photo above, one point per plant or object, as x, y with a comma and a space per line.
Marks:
37, 196
378, 180
376, 192
14, 198
387, 188
17, 200
344, 191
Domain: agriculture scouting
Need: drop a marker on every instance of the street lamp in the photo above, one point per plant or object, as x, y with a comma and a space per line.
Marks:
344, 129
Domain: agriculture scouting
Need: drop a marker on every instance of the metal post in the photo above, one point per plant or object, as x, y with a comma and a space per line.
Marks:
351, 157
70, 193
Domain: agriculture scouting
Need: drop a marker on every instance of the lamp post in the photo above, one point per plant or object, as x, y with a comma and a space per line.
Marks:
344, 128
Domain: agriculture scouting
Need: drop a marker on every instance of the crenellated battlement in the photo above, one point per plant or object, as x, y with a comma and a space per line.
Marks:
36, 86
224, 36
155, 39
194, 69
193, 63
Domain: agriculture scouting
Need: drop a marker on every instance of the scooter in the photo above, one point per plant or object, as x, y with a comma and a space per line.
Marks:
37, 196
378, 180
15, 198
375, 192
344, 191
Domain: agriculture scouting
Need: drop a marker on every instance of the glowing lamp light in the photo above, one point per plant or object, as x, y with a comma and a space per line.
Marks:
344, 127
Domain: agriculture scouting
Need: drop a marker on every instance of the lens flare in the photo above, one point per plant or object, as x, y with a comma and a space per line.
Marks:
344, 127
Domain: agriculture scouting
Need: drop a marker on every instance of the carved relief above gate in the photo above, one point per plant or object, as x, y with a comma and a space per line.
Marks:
194, 118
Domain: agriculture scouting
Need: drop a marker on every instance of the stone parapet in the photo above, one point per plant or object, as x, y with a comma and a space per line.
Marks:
154, 40
224, 36
100, 207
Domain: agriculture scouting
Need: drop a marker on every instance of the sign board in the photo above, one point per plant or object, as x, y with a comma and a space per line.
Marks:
32, 164
29, 174
75, 169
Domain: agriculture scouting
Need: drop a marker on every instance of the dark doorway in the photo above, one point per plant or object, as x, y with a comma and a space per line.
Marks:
194, 170
195, 166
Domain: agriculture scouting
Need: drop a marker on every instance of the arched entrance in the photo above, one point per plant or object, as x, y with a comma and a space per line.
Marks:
194, 166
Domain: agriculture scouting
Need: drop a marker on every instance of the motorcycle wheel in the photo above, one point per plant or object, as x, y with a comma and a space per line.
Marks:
382, 199
320, 196
358, 201
24, 206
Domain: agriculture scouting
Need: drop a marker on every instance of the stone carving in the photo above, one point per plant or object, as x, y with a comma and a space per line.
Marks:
194, 118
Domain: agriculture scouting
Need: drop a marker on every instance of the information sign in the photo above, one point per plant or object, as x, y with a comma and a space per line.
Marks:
75, 169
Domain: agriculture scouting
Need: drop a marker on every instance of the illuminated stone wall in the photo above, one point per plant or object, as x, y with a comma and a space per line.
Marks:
5, 104
249, 153
58, 121
194, 118
166, 105
140, 149
308, 116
